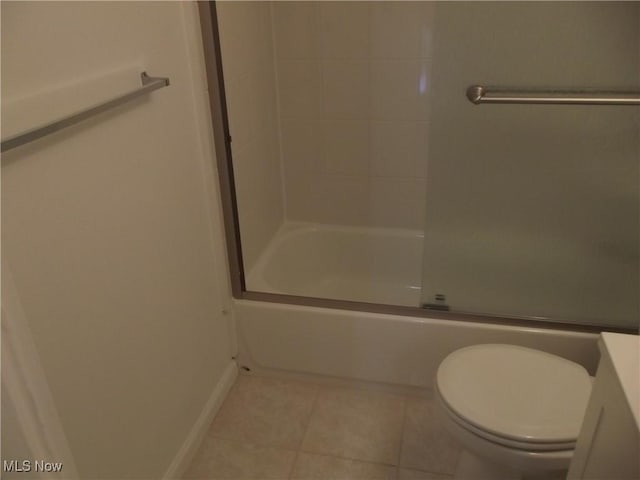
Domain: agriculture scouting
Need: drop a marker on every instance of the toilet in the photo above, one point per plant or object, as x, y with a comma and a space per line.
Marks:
515, 411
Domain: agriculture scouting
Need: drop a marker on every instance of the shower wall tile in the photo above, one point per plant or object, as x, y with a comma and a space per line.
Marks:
240, 100
236, 22
346, 145
399, 90
353, 84
247, 30
399, 149
341, 200
259, 192
351, 200
401, 30
302, 145
394, 148
266, 101
396, 29
344, 29
397, 202
428, 15
422, 149
252, 105
296, 30
300, 88
260, 35
303, 196
345, 89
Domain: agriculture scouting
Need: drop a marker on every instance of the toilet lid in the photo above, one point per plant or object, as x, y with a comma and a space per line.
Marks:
516, 392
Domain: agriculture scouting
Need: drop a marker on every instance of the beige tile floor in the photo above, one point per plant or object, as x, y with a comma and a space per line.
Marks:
271, 428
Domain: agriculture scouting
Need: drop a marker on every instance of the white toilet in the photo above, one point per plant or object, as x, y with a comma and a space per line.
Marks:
516, 411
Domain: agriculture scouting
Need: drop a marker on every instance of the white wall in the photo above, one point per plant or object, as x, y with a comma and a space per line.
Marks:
250, 87
110, 229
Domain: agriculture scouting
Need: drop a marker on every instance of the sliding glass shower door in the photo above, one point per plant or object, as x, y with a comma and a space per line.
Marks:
361, 175
532, 209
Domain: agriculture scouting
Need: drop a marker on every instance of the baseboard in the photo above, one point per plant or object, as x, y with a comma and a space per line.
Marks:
186, 453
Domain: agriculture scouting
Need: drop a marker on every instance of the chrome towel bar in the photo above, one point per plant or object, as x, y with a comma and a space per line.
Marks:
478, 94
149, 84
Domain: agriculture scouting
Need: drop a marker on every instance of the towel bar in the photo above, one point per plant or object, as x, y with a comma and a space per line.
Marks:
149, 84
478, 94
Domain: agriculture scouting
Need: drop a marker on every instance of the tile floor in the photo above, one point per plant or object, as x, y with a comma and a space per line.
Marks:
271, 428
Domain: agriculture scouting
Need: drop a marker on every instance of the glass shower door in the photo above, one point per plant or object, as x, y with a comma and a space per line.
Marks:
533, 209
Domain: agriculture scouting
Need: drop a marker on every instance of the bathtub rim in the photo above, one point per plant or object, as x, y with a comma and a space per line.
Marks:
417, 312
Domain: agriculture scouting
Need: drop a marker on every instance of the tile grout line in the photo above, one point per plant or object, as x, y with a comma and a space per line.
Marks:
361, 460
251, 443
299, 449
351, 459
404, 425
354, 459
419, 468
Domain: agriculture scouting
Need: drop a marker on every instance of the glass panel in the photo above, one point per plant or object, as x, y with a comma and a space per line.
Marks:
328, 108
533, 210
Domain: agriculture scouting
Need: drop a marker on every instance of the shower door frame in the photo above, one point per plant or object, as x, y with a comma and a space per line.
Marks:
222, 144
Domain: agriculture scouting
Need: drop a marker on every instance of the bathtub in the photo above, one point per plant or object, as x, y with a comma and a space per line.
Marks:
374, 265
332, 338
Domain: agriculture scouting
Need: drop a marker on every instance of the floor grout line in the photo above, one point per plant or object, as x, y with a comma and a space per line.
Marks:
293, 465
332, 455
252, 443
396, 464
404, 426
304, 434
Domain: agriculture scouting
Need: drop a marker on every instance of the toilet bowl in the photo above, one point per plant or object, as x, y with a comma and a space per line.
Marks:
516, 411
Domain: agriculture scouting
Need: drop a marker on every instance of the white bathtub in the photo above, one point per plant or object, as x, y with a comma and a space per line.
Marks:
374, 265
355, 264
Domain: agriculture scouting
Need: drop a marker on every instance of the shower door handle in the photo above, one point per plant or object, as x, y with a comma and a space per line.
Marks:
478, 94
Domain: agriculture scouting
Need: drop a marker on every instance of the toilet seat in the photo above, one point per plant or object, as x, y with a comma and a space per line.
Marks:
506, 442
515, 396
502, 461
